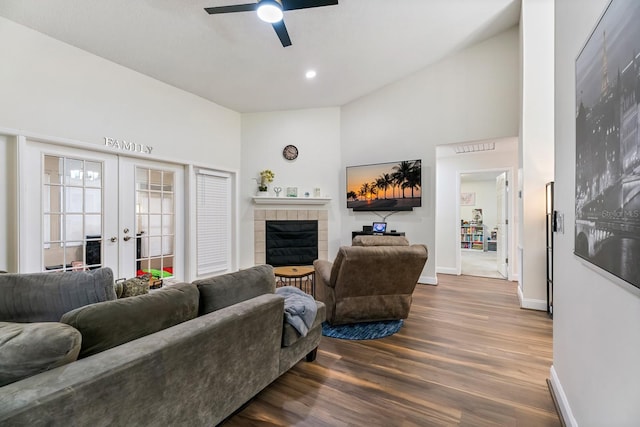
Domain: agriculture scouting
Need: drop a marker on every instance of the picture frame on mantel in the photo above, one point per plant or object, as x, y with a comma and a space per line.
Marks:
607, 184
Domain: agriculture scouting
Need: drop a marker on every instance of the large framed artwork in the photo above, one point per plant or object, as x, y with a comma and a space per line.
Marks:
607, 187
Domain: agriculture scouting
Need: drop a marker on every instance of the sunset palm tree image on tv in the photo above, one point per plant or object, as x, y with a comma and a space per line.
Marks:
392, 186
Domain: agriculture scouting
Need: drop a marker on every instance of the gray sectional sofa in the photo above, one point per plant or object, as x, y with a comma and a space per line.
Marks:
188, 355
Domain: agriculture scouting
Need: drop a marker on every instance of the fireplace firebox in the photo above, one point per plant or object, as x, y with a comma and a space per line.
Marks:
291, 242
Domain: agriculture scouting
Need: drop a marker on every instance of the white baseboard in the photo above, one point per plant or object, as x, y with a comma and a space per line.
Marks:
447, 270
531, 304
428, 280
561, 399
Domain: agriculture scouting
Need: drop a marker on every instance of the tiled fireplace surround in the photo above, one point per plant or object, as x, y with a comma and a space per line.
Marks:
260, 216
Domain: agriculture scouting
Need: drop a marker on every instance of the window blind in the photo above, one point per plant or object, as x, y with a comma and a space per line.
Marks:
213, 221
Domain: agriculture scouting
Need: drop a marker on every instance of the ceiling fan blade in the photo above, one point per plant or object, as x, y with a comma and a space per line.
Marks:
282, 33
306, 4
233, 8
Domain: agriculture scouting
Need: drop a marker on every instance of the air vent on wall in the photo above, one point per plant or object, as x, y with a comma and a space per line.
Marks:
473, 148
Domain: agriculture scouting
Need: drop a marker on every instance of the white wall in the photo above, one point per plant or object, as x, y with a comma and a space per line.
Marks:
449, 166
52, 90
596, 345
536, 145
472, 95
316, 133
486, 200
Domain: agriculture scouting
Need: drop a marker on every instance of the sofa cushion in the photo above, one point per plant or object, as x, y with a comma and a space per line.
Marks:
222, 291
108, 324
45, 297
30, 348
365, 240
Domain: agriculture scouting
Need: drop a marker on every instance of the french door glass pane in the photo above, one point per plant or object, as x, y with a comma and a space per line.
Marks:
93, 224
167, 245
74, 199
54, 169
155, 179
72, 219
93, 176
73, 227
142, 202
53, 226
155, 223
52, 195
73, 172
93, 200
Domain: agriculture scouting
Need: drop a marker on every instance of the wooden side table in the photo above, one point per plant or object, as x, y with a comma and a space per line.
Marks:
298, 276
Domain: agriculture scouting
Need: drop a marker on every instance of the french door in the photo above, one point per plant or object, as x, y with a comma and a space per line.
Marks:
81, 209
151, 220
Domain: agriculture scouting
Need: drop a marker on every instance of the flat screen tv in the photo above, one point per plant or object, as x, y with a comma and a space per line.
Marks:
392, 186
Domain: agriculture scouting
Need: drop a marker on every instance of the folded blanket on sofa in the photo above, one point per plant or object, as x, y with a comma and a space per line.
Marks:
299, 308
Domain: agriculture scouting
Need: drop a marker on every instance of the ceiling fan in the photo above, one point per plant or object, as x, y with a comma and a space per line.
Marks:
271, 11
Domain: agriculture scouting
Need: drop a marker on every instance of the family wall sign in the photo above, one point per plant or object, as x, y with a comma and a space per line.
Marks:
121, 144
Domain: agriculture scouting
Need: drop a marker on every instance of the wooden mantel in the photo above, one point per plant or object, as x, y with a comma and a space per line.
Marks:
268, 200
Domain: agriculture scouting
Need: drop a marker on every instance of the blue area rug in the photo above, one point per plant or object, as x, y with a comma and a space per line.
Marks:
362, 331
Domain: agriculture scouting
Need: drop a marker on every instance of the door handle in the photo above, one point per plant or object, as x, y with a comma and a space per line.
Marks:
126, 238
113, 239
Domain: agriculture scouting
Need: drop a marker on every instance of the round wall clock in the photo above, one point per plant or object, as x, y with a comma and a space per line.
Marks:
290, 152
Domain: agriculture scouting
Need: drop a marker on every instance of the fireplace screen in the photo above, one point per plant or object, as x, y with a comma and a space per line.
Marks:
291, 242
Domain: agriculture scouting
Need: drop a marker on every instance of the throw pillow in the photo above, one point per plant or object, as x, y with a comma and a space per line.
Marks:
134, 286
111, 323
30, 348
45, 297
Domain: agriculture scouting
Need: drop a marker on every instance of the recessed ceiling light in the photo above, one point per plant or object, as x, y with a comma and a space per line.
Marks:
310, 74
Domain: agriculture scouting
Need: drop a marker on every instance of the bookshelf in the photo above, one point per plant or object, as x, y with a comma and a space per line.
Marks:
472, 236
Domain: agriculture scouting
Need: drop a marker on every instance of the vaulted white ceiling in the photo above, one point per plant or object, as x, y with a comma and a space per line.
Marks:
237, 61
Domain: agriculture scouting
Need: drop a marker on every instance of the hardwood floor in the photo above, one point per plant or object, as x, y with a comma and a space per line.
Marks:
467, 355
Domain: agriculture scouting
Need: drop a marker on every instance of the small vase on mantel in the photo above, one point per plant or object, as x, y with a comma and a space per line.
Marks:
262, 192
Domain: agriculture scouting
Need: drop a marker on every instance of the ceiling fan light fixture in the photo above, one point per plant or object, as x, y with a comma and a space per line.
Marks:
270, 11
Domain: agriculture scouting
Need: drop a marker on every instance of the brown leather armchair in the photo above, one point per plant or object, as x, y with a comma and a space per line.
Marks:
372, 280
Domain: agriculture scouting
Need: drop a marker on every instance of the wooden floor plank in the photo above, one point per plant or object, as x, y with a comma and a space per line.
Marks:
467, 355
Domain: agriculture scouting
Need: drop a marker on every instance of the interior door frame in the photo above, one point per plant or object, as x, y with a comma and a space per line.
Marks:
502, 240
510, 217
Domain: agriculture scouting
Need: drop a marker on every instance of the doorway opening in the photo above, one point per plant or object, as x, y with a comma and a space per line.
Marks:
483, 217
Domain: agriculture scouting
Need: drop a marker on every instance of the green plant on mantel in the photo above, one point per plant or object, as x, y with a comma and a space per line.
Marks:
266, 177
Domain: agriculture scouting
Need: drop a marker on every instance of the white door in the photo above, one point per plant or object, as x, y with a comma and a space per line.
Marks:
81, 209
152, 225
64, 219
502, 206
